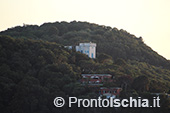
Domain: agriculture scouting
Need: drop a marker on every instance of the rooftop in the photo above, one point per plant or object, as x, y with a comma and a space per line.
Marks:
87, 44
96, 75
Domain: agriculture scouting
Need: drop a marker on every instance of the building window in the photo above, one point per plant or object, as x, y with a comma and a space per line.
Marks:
92, 55
114, 91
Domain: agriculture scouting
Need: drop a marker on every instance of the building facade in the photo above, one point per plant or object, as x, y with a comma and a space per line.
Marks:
96, 79
110, 92
87, 48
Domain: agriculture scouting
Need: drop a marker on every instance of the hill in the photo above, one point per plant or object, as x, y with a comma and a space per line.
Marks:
111, 41
35, 67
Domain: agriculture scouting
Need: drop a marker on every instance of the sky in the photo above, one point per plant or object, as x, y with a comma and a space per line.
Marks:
149, 19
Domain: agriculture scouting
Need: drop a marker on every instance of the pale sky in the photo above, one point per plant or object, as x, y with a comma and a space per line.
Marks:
149, 19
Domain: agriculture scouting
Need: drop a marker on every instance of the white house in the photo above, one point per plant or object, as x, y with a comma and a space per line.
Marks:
88, 49
69, 47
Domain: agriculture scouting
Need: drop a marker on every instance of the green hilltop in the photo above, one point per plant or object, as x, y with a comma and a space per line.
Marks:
111, 41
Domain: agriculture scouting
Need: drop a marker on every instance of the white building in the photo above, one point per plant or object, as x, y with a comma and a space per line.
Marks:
68, 47
88, 49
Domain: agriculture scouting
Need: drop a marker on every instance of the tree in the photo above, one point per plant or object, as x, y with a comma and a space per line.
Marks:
104, 58
125, 81
30, 97
141, 83
121, 62
53, 31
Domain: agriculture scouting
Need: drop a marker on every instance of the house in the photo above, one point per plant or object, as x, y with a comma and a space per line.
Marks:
69, 47
87, 48
96, 82
161, 94
96, 79
110, 92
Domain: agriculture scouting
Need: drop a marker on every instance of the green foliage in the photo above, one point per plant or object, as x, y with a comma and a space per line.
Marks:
111, 41
104, 58
35, 67
33, 73
141, 83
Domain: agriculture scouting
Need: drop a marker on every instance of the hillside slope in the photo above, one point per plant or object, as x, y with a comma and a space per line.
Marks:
33, 73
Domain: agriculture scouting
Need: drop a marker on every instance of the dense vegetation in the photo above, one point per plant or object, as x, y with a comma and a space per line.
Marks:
35, 67
114, 42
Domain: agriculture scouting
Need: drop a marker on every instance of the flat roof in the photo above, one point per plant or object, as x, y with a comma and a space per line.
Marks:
96, 74
110, 88
87, 44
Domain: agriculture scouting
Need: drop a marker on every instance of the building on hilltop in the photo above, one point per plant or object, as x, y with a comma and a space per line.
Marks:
87, 48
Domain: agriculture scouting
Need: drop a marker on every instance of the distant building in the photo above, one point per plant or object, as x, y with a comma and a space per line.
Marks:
110, 92
69, 47
96, 79
88, 49
161, 94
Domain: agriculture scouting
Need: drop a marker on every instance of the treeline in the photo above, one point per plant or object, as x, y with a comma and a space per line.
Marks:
111, 41
33, 73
